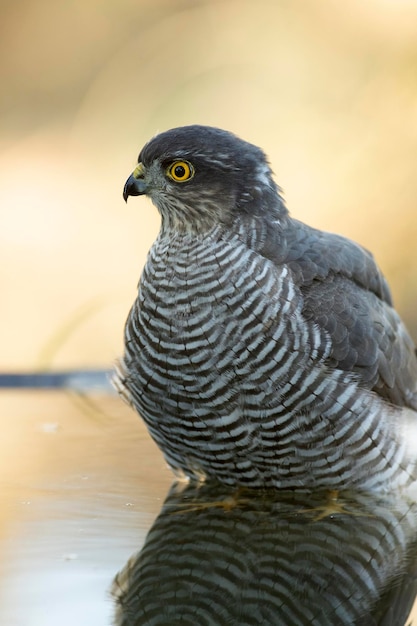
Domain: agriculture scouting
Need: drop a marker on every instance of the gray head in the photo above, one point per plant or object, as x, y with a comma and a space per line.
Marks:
199, 176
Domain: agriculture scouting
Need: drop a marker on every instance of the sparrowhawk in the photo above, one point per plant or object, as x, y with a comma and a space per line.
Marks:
260, 351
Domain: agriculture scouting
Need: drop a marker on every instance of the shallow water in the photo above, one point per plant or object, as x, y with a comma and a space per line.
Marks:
80, 486
92, 533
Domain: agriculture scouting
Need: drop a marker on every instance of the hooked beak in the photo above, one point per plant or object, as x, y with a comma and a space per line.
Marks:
135, 184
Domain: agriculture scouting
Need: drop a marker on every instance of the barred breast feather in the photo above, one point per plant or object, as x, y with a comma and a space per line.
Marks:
232, 380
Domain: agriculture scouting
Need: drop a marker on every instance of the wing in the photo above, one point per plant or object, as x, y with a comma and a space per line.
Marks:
346, 295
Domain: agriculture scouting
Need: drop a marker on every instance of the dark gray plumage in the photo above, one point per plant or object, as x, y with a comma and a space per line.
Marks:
261, 351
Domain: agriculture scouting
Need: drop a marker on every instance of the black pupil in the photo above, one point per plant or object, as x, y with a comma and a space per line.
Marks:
179, 171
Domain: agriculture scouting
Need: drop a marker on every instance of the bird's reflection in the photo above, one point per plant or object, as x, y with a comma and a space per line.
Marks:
214, 557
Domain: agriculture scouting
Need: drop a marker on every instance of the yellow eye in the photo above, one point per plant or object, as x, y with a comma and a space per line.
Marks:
180, 171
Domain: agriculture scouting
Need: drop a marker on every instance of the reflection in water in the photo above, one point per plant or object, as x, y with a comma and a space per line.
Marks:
214, 558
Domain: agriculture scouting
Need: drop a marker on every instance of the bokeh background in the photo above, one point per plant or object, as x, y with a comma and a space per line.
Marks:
327, 88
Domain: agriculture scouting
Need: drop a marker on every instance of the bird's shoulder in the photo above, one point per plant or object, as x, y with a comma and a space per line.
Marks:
347, 297
314, 255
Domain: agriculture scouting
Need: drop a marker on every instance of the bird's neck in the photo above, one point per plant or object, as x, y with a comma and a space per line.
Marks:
264, 236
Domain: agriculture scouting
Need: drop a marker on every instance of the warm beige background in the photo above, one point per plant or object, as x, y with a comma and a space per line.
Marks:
328, 88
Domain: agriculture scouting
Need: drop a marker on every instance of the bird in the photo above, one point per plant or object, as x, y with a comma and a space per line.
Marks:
261, 352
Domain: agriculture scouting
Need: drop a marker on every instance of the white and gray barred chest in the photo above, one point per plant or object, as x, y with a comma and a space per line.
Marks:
231, 380
213, 325
214, 349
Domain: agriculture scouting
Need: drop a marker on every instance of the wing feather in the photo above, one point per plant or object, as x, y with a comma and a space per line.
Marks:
347, 297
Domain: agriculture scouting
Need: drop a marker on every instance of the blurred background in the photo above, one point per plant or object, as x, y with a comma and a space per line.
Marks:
327, 89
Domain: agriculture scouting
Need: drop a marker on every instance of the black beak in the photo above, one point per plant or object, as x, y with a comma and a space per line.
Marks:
134, 187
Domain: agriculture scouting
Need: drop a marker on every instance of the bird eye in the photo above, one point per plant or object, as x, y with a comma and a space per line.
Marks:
180, 171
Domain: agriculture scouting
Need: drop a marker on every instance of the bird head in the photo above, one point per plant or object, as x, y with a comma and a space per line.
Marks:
199, 177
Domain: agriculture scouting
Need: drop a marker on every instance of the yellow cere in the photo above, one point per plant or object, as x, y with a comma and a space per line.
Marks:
139, 171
